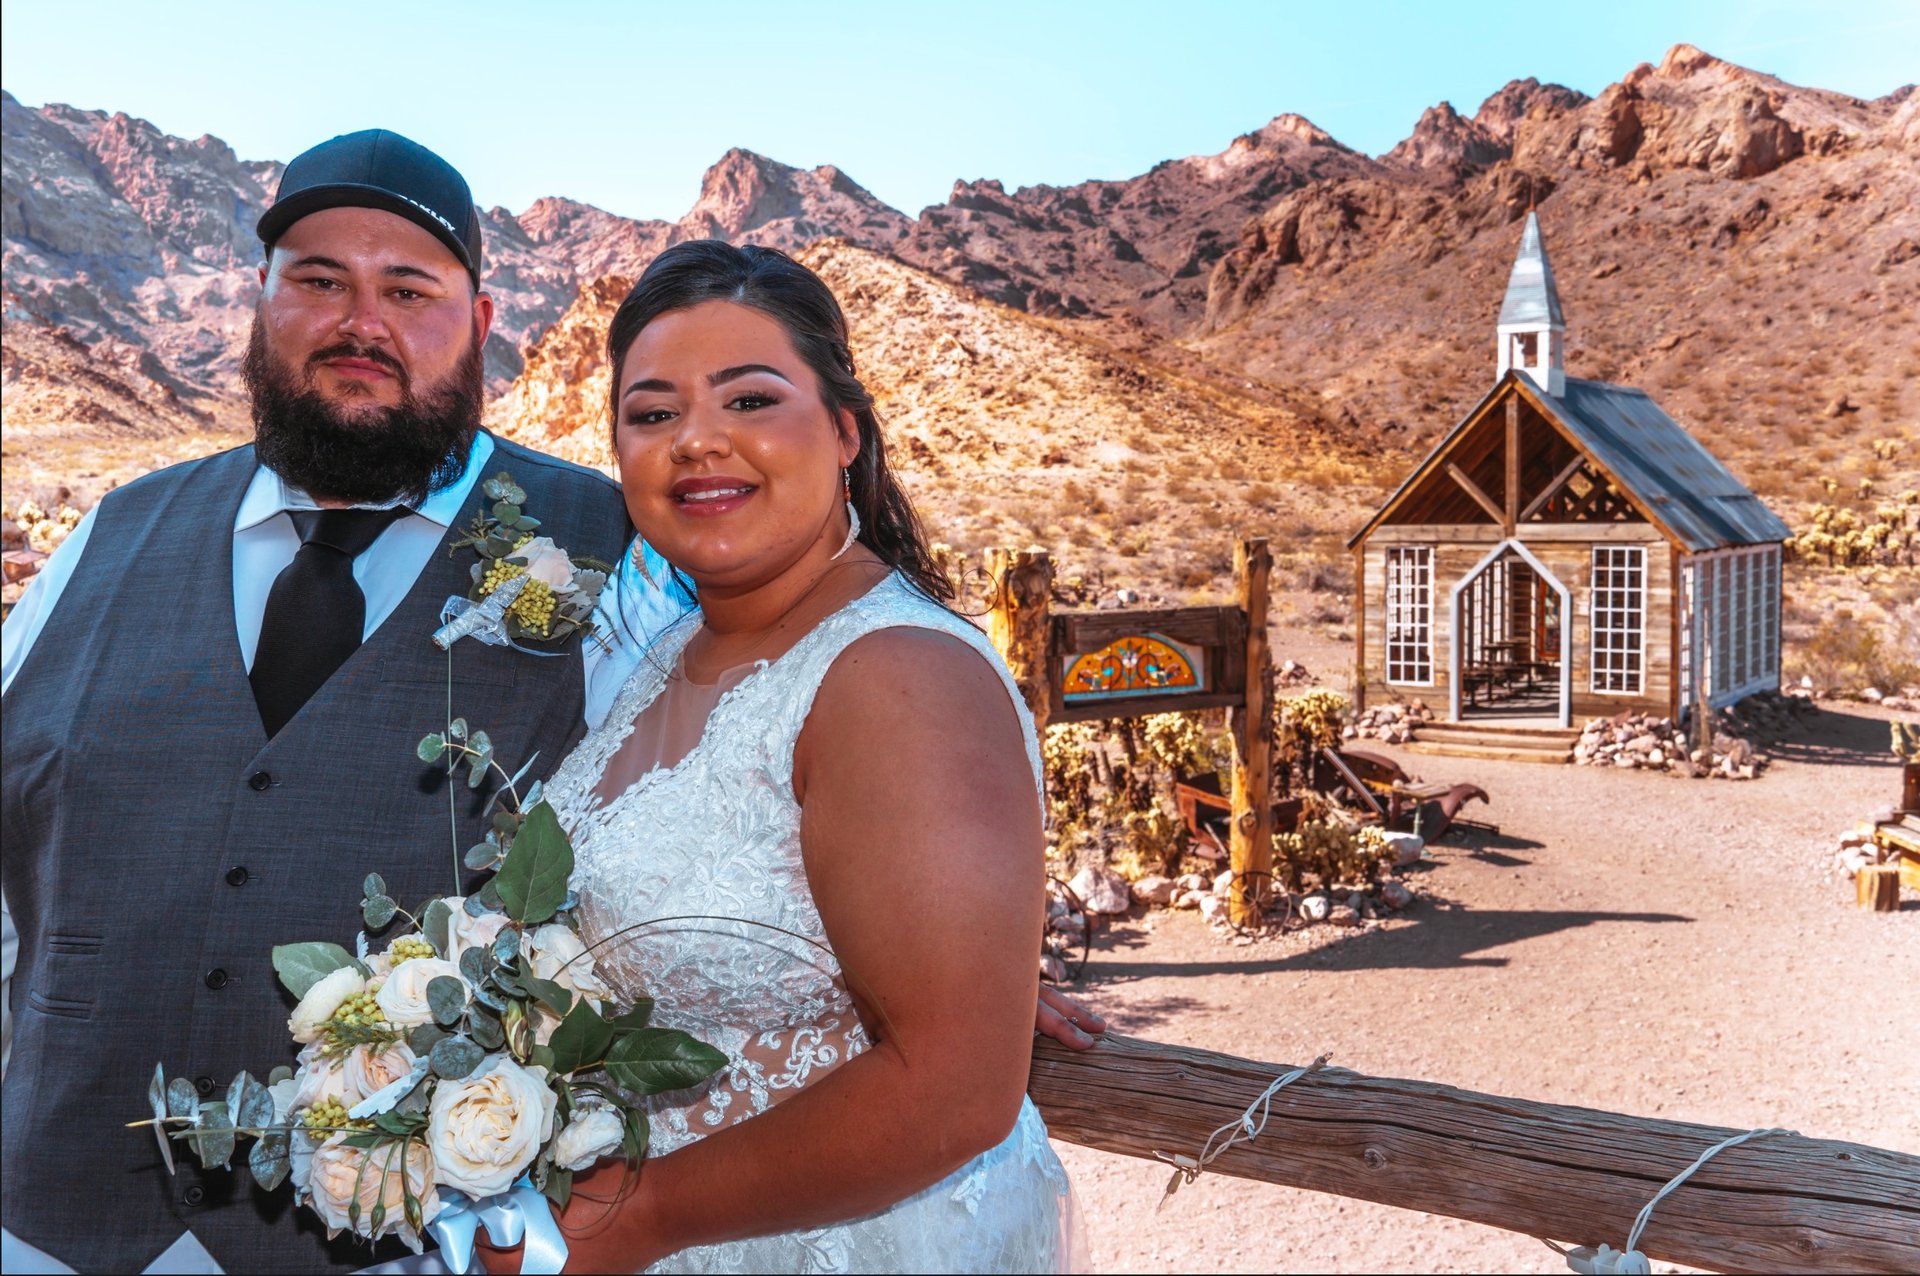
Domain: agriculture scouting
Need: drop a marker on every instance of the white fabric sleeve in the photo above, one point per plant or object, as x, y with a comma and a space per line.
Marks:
29, 615
632, 614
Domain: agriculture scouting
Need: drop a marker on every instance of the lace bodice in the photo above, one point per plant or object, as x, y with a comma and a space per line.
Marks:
718, 836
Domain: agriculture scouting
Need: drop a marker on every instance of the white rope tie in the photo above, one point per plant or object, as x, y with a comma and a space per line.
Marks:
1608, 1261
1186, 1168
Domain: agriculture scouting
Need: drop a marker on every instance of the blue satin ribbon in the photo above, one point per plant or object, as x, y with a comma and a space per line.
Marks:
516, 1215
485, 620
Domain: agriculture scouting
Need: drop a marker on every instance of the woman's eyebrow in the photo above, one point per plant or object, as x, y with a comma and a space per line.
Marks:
741, 370
658, 384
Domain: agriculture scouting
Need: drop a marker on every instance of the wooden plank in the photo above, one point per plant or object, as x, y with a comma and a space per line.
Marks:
1510, 514
1780, 1203
1142, 705
1250, 844
1360, 629
1017, 623
1877, 887
1560, 480
1472, 489
1079, 632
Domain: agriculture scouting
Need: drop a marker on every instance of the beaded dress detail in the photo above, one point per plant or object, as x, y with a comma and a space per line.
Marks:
717, 835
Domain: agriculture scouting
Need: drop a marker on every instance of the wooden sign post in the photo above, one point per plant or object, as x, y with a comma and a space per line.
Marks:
1078, 666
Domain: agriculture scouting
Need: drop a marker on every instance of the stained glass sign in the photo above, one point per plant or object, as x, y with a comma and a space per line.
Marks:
1138, 664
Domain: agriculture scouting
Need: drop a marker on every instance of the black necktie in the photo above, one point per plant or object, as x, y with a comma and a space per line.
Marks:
315, 612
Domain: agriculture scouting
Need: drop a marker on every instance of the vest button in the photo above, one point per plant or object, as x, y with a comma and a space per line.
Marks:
259, 781
194, 1195
216, 979
204, 1085
237, 876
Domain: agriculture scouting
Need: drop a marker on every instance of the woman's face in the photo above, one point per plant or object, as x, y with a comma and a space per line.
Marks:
728, 456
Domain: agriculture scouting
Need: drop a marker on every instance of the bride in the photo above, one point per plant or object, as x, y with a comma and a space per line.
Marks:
823, 752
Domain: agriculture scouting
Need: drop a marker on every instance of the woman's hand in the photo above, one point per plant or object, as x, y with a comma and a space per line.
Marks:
604, 1224
1066, 1020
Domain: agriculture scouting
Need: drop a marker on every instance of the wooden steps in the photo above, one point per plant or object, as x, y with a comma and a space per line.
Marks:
1491, 742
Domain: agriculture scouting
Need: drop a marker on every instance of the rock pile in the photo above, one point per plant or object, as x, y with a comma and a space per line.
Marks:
1292, 674
1393, 723
1741, 734
1856, 850
1208, 896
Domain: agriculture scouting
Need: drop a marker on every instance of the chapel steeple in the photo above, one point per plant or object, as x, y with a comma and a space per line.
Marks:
1532, 331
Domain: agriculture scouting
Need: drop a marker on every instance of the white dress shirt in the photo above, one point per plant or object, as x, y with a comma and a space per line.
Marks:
633, 611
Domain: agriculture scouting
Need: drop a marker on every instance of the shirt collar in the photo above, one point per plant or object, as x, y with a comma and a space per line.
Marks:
269, 494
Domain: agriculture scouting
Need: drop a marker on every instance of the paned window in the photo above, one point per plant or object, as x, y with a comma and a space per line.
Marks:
1410, 615
1619, 618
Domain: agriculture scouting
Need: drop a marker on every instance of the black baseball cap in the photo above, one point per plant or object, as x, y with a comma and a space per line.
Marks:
375, 168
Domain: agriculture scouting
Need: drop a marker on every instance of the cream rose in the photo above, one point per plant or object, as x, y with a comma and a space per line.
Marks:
593, 1133
556, 954
403, 998
321, 1001
336, 1175
369, 1070
318, 1077
466, 931
546, 562
487, 1127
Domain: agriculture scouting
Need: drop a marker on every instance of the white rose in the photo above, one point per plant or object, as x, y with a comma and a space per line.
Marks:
487, 1127
318, 1077
593, 1133
338, 1173
546, 562
556, 954
466, 931
378, 964
403, 998
368, 1071
321, 1001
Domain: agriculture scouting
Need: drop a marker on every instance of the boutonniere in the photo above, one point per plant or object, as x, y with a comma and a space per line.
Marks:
525, 587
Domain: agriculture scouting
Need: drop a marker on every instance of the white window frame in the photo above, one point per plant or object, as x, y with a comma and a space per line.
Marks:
1409, 615
1610, 618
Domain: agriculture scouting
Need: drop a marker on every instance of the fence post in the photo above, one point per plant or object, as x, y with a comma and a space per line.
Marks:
1020, 623
1250, 851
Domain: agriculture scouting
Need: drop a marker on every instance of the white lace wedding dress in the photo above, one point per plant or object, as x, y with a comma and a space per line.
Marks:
718, 835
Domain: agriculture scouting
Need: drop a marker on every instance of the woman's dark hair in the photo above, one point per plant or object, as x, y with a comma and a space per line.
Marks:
781, 288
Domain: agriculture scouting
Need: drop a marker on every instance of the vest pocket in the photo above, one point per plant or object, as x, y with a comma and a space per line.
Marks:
60, 1007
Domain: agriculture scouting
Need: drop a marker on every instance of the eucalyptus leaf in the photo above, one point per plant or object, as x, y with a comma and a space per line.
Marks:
486, 1029
655, 1060
555, 996
447, 998
249, 1103
431, 747
506, 946
582, 1038
457, 729
569, 902
490, 999
505, 512
456, 1057
533, 878
436, 925
474, 906
537, 789
422, 1038
505, 821
378, 911
182, 1099
213, 1135
477, 774
301, 966
279, 1074
268, 1160
473, 966
157, 1094
481, 855
525, 523
373, 885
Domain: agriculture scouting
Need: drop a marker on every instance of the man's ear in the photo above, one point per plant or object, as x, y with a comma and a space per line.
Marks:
482, 315
263, 274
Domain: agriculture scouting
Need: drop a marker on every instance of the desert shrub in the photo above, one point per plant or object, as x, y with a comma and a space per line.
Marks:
1110, 785
1843, 654
1330, 854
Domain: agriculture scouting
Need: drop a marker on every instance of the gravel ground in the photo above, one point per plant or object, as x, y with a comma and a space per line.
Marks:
1628, 941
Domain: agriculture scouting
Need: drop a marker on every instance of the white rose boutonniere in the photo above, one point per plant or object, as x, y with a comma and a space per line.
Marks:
403, 998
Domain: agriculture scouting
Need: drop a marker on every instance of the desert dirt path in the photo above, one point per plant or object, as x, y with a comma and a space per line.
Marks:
1629, 941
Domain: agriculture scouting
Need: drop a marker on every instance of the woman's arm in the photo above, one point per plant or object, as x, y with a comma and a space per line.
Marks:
921, 833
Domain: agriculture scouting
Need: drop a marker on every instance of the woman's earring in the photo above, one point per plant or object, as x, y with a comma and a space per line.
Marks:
639, 556
853, 515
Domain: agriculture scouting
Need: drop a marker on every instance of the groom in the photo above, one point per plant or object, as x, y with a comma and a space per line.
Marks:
212, 695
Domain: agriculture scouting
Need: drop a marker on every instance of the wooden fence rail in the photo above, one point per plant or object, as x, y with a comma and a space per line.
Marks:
1572, 1174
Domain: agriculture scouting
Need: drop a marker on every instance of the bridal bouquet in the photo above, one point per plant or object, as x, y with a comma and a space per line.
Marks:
463, 1070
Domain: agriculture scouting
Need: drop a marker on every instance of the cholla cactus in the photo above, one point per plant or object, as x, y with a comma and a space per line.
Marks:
1331, 854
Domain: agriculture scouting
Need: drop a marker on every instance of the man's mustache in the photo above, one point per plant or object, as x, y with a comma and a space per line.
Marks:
350, 350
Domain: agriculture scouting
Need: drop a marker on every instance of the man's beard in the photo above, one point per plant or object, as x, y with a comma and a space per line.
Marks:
369, 457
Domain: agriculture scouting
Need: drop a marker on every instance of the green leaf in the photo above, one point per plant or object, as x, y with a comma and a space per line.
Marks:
213, 1135
373, 885
654, 1060
301, 966
279, 1074
456, 1057
400, 1123
378, 911
364, 1139
268, 1160
157, 1098
533, 878
525, 524
447, 998
506, 513
486, 1029
506, 946
478, 774
249, 1102
541, 1057
431, 747
559, 1187
436, 924
636, 1018
481, 855
582, 1038
457, 729
424, 1037
555, 997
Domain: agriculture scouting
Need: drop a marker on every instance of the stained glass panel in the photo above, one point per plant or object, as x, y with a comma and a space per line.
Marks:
1139, 664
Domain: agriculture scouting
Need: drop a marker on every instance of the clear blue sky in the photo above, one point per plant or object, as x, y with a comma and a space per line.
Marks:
625, 105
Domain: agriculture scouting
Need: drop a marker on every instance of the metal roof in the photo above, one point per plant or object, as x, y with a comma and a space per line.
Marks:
1668, 469
1531, 296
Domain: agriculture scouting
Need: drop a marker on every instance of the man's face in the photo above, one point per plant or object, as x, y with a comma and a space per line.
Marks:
363, 306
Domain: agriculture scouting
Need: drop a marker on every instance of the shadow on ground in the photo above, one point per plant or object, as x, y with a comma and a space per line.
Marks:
1440, 938
1836, 737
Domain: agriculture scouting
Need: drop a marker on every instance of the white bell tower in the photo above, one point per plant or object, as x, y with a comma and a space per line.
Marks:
1532, 330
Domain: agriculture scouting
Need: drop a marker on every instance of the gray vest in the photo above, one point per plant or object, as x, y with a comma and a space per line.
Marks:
157, 845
